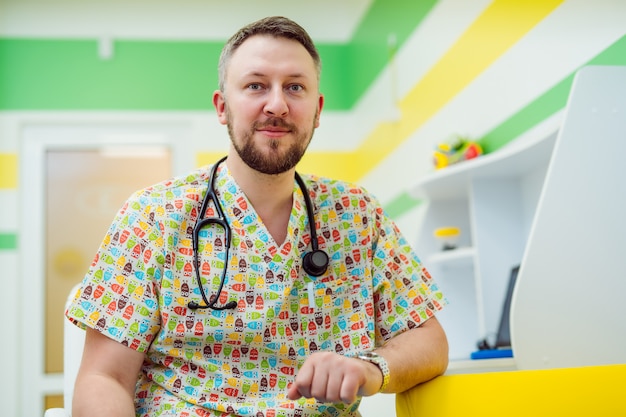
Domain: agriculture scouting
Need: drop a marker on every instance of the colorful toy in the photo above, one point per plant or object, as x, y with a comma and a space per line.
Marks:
456, 150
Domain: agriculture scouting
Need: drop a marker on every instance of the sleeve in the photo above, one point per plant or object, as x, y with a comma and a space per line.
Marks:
405, 295
119, 294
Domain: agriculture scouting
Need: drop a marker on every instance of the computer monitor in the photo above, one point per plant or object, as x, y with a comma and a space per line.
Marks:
503, 337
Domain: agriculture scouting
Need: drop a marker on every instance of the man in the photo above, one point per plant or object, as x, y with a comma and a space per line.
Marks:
229, 316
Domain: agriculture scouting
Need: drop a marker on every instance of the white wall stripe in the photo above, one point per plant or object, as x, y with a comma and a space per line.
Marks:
8, 211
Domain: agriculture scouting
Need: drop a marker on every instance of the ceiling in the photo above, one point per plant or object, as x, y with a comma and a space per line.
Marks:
326, 20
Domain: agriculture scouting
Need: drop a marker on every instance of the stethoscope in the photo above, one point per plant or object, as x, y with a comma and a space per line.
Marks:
314, 262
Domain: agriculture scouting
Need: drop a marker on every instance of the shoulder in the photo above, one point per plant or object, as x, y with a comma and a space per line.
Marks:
341, 195
176, 197
341, 200
189, 185
328, 187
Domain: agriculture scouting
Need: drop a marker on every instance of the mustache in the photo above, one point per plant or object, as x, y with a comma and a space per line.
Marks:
274, 122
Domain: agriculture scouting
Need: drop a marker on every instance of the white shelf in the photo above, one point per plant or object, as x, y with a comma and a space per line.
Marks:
453, 258
481, 365
514, 160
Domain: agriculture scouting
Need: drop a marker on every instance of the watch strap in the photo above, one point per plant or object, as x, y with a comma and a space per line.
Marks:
379, 361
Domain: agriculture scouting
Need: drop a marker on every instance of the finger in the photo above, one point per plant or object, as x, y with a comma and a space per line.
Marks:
349, 388
319, 383
293, 393
303, 381
334, 381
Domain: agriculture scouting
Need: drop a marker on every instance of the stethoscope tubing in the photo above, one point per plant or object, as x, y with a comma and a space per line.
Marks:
315, 262
221, 221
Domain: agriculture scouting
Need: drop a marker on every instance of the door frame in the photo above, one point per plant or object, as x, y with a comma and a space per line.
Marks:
36, 140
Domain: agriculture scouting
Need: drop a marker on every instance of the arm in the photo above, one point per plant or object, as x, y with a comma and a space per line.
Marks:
105, 385
414, 356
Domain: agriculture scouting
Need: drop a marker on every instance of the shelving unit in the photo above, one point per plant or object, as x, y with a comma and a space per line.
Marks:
492, 199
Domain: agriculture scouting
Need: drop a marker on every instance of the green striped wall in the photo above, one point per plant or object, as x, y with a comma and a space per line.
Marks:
549, 102
56, 74
8, 183
8, 241
544, 106
67, 74
42, 74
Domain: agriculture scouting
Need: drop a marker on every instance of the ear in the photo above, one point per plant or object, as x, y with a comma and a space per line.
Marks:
220, 106
320, 105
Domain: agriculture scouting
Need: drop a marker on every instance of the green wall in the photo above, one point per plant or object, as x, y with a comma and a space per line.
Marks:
56, 74
550, 102
60, 74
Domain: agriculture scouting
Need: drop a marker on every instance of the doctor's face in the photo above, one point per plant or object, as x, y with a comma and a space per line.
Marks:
270, 103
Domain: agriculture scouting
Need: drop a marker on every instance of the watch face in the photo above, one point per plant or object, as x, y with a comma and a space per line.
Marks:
369, 356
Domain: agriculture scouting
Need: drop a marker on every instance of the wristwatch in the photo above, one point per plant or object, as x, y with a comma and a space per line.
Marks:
379, 361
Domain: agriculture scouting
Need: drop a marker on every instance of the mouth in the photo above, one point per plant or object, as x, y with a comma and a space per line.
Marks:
274, 129
273, 133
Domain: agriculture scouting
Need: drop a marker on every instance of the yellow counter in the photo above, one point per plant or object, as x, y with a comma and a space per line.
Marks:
587, 391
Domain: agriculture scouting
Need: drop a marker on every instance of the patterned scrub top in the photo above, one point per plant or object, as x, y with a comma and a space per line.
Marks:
241, 362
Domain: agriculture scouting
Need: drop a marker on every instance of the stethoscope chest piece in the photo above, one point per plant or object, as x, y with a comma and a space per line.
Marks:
315, 262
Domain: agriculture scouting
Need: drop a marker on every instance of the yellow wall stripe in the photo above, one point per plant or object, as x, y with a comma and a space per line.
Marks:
8, 171
497, 29
208, 158
337, 165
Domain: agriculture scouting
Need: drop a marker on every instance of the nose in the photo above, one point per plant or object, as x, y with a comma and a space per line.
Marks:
276, 105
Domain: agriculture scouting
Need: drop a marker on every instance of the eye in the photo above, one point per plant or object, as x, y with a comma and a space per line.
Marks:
254, 86
294, 88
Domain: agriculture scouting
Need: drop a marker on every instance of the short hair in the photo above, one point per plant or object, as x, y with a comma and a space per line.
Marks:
276, 26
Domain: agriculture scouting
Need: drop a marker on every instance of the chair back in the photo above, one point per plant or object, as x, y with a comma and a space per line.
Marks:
73, 339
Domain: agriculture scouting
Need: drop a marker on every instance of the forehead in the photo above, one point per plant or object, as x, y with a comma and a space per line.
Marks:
266, 54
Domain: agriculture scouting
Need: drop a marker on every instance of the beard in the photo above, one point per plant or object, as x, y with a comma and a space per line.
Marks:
273, 162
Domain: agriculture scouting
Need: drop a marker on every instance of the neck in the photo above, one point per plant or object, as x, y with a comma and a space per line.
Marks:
270, 195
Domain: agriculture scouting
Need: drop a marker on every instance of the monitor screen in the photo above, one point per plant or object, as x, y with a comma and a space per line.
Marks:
503, 338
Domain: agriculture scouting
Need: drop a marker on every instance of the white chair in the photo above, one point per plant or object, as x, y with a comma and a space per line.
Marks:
73, 341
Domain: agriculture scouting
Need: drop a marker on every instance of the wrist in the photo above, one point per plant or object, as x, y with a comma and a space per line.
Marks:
380, 362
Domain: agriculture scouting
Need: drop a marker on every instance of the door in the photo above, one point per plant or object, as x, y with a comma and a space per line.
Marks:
74, 180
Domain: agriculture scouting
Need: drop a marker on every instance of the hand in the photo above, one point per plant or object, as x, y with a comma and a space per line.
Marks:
330, 377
